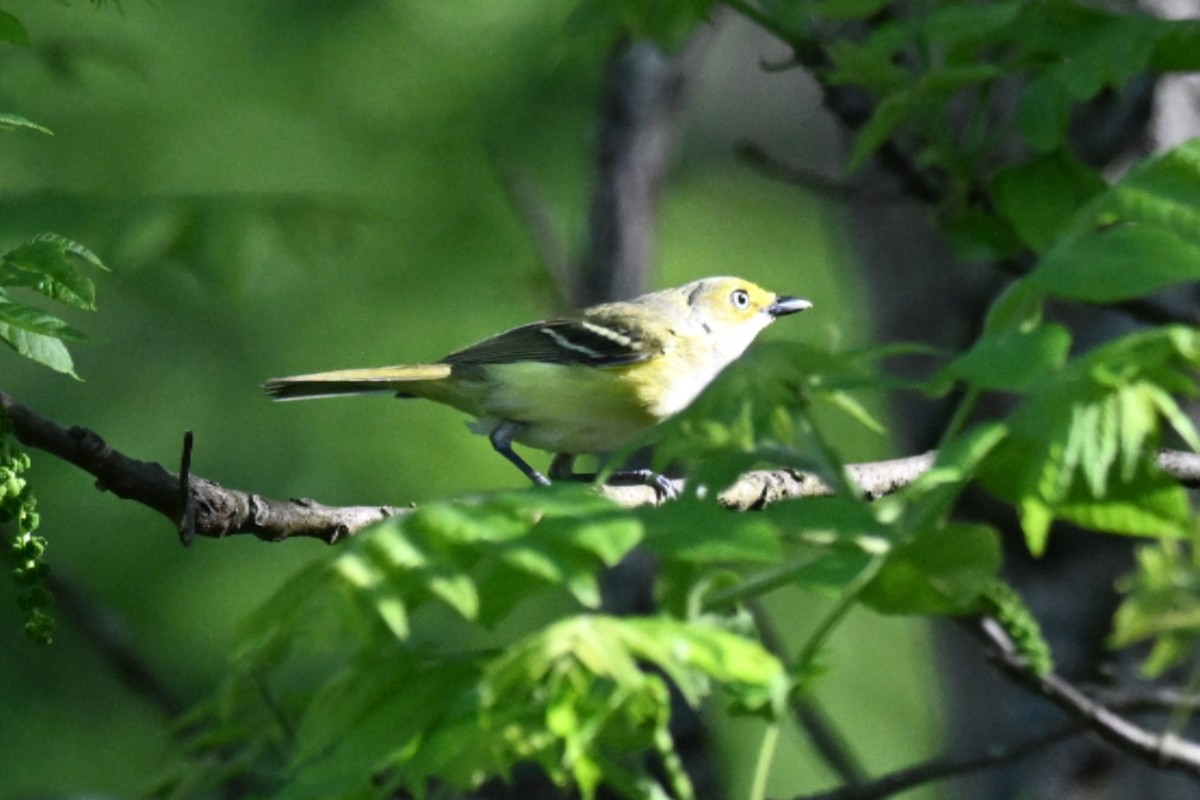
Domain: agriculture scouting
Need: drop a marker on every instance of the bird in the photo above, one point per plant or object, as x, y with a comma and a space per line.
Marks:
586, 383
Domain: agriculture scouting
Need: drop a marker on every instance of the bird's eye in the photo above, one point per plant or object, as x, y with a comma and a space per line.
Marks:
740, 299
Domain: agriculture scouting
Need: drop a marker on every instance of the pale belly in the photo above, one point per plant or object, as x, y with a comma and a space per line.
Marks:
568, 409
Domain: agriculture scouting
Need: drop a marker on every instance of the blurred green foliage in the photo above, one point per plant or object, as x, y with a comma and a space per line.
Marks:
284, 187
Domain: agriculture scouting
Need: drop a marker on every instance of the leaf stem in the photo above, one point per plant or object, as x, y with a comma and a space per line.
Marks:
839, 611
758, 584
762, 765
961, 412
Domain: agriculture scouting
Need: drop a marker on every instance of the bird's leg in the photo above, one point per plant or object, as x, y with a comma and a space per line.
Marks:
663, 486
562, 468
501, 438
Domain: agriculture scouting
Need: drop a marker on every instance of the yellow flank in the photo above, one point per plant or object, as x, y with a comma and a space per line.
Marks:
587, 383
576, 409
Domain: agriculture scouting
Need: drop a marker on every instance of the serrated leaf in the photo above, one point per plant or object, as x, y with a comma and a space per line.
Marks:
1166, 406
72, 247
1148, 505
33, 320
1163, 604
45, 268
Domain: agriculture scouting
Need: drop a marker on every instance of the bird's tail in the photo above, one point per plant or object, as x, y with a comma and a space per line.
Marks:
355, 381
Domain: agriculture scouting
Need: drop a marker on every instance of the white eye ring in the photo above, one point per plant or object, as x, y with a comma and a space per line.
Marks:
740, 299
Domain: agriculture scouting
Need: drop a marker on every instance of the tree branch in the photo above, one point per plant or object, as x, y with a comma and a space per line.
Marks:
1154, 700
201, 507
1161, 750
212, 509
948, 767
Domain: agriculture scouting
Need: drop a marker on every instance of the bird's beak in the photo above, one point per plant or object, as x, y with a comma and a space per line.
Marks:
787, 305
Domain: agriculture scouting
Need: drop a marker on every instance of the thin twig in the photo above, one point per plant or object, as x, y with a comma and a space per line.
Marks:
822, 733
843, 190
1165, 750
1125, 701
533, 212
187, 501
949, 766
107, 634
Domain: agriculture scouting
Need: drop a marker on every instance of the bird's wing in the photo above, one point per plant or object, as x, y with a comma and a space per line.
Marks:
592, 342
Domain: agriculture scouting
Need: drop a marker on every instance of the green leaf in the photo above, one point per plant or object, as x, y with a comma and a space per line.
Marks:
866, 65
1039, 197
977, 235
32, 320
1043, 113
700, 532
1139, 236
1117, 264
1163, 604
669, 23
45, 267
1179, 49
839, 537
922, 102
942, 571
1009, 361
1020, 308
846, 9
49, 351
888, 116
1081, 446
954, 25
361, 718
1148, 504
11, 30
9, 122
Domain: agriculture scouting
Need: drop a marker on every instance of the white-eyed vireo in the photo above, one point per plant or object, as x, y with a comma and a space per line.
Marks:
587, 383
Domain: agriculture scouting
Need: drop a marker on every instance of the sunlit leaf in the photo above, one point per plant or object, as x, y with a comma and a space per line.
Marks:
32, 320
46, 350
1118, 263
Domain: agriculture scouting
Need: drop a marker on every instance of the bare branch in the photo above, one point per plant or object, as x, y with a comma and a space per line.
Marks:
213, 510
1162, 750
1125, 701
217, 511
